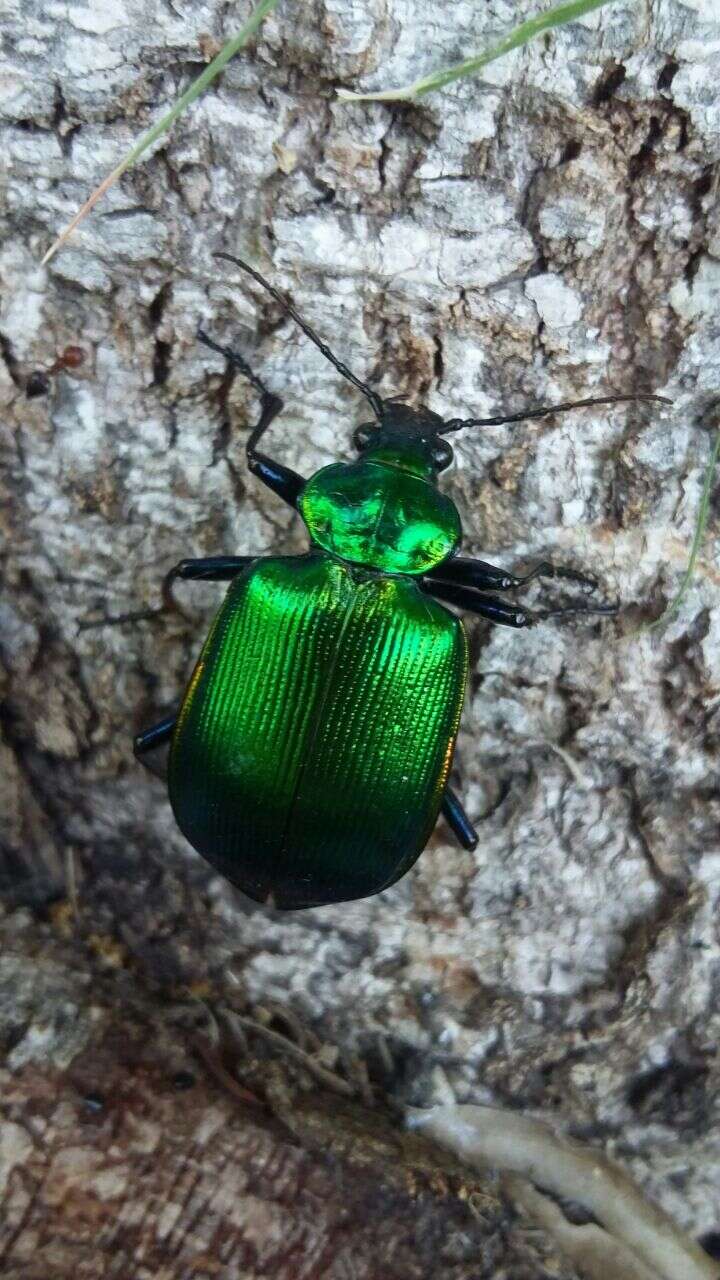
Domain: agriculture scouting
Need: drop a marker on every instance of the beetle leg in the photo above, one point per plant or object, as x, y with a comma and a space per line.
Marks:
458, 821
119, 619
487, 577
566, 610
491, 607
283, 481
154, 737
209, 569
508, 615
147, 741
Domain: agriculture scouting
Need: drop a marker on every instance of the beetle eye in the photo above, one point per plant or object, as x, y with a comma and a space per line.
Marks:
442, 455
362, 436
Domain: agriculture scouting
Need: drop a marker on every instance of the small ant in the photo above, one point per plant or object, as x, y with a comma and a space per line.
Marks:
38, 382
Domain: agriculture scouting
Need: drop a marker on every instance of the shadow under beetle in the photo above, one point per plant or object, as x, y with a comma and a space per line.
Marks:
309, 759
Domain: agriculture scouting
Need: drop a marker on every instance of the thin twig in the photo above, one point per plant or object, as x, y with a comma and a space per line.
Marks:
223, 1077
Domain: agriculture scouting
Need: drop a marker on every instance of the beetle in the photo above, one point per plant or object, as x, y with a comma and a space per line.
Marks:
310, 756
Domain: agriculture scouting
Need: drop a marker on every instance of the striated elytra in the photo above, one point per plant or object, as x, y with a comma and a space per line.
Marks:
312, 747
310, 756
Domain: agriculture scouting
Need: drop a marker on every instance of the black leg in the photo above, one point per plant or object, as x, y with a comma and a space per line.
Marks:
287, 484
497, 610
486, 577
209, 569
118, 619
148, 747
154, 737
458, 821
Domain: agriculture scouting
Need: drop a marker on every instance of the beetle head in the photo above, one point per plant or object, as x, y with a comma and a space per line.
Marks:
404, 429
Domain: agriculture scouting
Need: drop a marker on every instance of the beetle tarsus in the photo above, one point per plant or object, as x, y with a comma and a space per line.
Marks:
119, 619
209, 569
283, 481
481, 576
548, 570
234, 357
169, 600
499, 611
566, 611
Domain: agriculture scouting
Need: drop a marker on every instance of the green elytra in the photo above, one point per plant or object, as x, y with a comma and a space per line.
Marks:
310, 756
313, 745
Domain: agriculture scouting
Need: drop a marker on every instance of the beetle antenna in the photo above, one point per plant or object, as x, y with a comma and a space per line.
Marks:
543, 411
372, 396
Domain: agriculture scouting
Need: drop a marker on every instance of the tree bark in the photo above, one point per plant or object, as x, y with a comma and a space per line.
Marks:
547, 232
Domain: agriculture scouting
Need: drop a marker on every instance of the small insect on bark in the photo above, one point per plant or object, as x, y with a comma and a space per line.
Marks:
38, 382
310, 755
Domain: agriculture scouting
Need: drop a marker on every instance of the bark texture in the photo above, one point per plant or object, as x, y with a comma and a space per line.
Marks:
547, 232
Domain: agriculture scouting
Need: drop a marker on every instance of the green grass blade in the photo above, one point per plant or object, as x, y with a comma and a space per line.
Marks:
556, 17
700, 529
197, 87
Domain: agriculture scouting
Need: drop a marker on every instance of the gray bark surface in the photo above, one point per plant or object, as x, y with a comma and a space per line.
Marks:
546, 232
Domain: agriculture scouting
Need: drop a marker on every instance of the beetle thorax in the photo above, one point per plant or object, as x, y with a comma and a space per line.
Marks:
380, 514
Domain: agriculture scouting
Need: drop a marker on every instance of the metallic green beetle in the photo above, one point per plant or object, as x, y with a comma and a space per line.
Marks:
310, 756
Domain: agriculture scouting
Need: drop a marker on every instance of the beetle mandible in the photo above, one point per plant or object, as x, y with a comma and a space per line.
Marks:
310, 756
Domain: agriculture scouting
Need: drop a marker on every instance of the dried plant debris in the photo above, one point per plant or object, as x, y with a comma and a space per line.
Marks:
641, 1242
